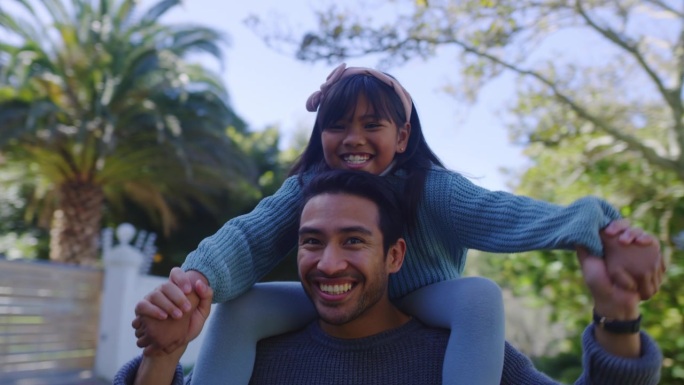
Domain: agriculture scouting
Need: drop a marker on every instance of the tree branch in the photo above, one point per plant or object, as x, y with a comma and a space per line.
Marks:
632, 142
672, 96
666, 7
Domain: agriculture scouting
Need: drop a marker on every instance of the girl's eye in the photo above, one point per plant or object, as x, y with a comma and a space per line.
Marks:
373, 125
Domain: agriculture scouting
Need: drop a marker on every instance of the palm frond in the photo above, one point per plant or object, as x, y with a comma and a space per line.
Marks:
156, 11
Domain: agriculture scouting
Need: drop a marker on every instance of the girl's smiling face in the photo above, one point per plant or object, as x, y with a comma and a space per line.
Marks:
363, 140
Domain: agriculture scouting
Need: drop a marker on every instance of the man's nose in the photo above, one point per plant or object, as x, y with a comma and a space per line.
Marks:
331, 261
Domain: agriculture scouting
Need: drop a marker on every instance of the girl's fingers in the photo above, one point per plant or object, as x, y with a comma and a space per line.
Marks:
628, 236
180, 279
616, 227
645, 239
175, 295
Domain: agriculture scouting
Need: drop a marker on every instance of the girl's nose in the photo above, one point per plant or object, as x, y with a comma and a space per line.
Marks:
355, 137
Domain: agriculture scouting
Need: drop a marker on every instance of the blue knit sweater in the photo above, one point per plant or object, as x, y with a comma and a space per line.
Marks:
411, 354
455, 215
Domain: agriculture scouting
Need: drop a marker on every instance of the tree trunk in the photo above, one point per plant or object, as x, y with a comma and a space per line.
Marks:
75, 229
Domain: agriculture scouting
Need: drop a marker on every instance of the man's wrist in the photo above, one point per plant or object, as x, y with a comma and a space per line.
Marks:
616, 312
158, 369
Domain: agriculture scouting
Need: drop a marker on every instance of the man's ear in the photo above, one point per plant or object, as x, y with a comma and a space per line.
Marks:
395, 255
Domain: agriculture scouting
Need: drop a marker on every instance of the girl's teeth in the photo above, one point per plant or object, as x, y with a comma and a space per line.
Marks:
356, 158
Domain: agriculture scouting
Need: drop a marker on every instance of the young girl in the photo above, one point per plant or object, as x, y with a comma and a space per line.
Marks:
367, 121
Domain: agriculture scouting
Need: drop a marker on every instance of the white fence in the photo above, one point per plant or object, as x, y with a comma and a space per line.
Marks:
123, 287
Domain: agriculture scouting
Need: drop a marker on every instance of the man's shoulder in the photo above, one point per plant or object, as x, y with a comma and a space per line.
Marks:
423, 331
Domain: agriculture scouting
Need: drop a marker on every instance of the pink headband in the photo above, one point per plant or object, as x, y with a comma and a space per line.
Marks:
341, 72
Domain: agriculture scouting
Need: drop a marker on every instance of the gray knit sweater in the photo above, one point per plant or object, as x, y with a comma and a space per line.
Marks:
454, 215
411, 354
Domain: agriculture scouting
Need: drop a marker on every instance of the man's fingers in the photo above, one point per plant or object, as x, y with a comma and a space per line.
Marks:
647, 288
144, 341
623, 280
147, 308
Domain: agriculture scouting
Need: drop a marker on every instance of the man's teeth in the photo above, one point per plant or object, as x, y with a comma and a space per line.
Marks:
356, 158
336, 289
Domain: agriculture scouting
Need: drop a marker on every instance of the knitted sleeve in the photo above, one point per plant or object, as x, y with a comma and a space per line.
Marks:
126, 375
249, 246
600, 368
501, 222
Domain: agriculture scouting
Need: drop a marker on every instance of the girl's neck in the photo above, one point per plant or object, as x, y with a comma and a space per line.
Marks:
389, 168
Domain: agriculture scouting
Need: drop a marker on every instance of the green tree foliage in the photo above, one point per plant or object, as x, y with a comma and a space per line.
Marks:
604, 118
98, 98
262, 148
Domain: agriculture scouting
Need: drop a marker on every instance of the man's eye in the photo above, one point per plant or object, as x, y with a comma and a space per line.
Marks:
354, 241
309, 241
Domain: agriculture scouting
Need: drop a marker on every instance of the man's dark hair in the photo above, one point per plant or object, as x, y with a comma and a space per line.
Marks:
365, 185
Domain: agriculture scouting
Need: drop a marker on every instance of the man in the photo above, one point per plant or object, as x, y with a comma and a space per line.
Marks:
349, 244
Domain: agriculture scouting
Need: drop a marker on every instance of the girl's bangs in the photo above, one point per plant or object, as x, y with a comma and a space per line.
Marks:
340, 103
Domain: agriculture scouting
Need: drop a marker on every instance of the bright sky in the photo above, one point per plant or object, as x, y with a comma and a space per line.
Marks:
270, 88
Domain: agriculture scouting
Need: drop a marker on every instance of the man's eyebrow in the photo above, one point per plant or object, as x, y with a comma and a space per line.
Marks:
309, 230
349, 229
356, 229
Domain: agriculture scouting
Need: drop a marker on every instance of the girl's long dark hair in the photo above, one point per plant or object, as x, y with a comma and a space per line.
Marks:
340, 101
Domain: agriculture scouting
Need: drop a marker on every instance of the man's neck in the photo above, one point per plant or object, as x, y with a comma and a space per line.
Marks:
379, 319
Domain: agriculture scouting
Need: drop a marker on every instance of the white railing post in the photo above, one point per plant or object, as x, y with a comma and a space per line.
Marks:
121, 271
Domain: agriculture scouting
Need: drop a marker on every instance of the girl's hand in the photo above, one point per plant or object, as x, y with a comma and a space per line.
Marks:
170, 299
627, 234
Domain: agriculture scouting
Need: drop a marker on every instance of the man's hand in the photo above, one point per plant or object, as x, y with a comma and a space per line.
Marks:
159, 337
642, 268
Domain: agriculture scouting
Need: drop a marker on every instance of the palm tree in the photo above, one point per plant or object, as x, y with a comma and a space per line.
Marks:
99, 101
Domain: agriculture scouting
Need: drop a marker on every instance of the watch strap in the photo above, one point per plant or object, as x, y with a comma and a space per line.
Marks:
615, 326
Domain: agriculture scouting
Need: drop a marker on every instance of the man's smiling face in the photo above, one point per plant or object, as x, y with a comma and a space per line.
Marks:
342, 265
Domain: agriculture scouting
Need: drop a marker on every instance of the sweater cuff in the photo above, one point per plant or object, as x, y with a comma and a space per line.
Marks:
604, 368
126, 375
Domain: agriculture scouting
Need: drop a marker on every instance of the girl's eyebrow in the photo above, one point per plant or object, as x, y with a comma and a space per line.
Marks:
374, 115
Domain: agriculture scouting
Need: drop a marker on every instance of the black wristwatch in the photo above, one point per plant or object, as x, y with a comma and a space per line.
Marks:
617, 327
